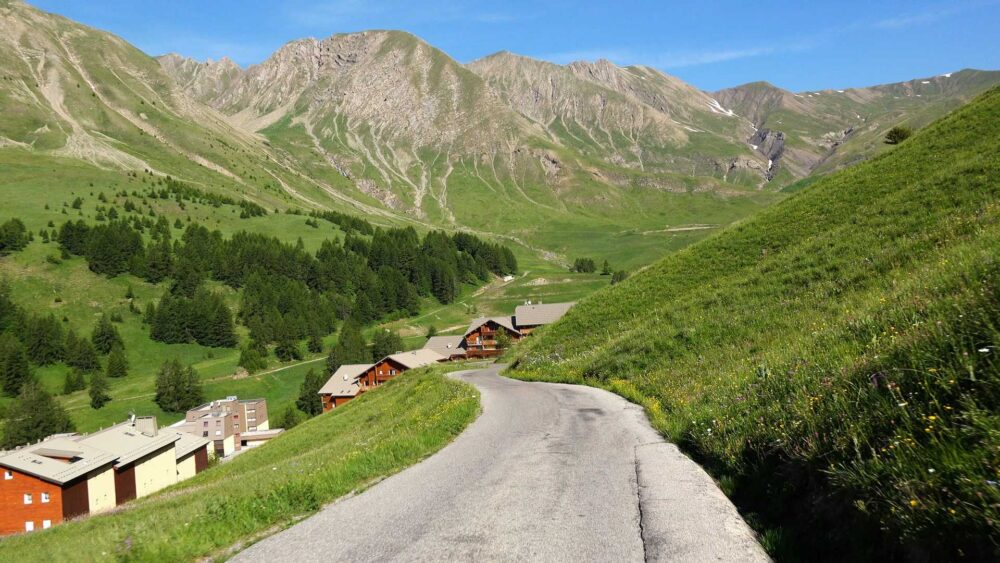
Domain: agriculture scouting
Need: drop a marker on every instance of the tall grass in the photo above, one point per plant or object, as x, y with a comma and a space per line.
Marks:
268, 488
833, 360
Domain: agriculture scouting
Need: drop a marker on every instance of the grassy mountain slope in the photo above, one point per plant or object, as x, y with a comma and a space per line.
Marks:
214, 513
834, 359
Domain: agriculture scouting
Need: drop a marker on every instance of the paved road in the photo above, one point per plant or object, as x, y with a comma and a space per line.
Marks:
546, 473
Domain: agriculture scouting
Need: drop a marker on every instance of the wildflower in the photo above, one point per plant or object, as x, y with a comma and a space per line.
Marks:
902, 404
930, 470
913, 502
951, 511
985, 350
932, 417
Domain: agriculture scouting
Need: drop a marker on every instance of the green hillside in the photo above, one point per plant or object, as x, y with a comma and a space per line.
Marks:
834, 359
219, 511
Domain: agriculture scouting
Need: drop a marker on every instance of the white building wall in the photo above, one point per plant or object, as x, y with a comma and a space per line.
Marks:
186, 468
101, 490
156, 473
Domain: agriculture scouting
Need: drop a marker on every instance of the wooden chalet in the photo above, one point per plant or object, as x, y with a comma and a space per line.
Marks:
480, 340
342, 385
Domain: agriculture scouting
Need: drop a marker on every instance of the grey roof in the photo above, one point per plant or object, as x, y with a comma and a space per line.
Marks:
446, 345
344, 381
188, 443
534, 315
506, 322
416, 358
127, 443
34, 461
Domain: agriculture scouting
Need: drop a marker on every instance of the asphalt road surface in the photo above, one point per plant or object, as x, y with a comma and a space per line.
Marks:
547, 472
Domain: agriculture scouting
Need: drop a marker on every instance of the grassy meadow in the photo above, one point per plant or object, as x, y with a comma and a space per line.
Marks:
834, 360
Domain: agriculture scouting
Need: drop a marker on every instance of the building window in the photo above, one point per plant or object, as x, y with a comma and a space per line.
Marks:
218, 432
8, 475
28, 498
204, 434
29, 526
45, 497
204, 423
46, 524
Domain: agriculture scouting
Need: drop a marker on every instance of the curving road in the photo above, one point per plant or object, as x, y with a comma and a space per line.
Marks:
548, 472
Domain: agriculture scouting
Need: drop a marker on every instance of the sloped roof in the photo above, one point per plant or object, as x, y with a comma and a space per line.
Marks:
446, 345
534, 315
343, 382
127, 442
188, 443
31, 460
506, 322
416, 358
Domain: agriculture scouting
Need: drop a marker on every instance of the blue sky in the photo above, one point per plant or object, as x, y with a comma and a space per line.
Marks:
711, 44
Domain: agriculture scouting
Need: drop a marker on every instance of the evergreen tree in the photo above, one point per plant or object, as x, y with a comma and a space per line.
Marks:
315, 342
14, 368
251, 359
98, 391
287, 349
178, 388
349, 349
290, 418
432, 331
606, 269
159, 260
105, 335
80, 353
618, 277
75, 381
117, 362
384, 343
309, 401
13, 236
44, 340
35, 415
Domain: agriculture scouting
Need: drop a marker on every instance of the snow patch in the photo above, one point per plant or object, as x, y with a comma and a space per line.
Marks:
947, 75
770, 163
925, 81
716, 107
692, 129
754, 147
840, 91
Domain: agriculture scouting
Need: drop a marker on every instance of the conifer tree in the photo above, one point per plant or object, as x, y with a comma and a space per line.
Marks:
44, 340
98, 391
117, 362
105, 335
606, 269
35, 415
80, 353
384, 343
349, 349
74, 382
309, 401
14, 368
251, 359
177, 387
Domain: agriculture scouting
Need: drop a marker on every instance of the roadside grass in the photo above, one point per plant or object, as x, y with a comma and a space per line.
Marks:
266, 489
833, 361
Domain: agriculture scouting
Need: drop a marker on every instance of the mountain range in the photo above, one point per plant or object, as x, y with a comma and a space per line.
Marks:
384, 124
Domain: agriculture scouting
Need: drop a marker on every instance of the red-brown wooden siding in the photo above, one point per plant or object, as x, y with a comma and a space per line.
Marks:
14, 513
200, 460
125, 484
76, 498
